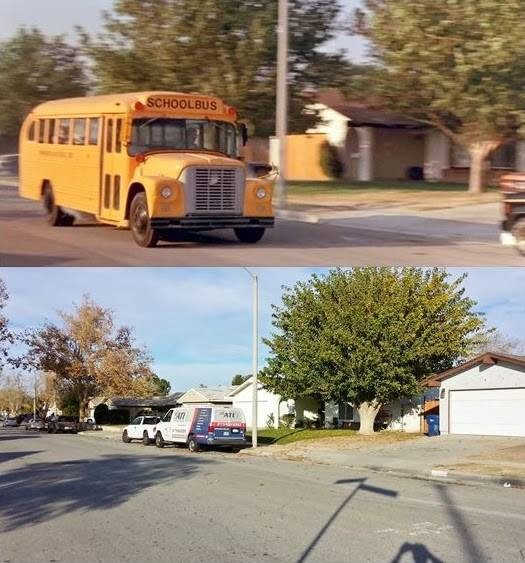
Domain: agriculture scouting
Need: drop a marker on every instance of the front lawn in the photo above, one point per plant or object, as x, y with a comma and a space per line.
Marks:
284, 436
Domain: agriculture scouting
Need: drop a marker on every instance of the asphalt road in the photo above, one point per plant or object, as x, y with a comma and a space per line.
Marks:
73, 498
26, 240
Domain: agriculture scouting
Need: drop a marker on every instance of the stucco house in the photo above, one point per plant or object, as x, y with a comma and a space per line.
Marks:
99, 407
484, 396
380, 145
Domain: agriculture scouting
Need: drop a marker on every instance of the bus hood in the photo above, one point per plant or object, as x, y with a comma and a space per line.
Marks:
172, 164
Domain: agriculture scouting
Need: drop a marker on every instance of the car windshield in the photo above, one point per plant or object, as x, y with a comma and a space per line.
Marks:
182, 134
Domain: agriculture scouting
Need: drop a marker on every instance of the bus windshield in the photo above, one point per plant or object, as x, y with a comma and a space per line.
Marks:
193, 134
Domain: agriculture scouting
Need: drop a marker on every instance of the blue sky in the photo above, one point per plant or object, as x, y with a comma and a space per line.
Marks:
197, 321
58, 16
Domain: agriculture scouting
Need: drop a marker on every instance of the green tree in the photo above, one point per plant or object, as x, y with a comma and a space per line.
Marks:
239, 379
456, 65
88, 355
368, 335
225, 48
162, 386
33, 69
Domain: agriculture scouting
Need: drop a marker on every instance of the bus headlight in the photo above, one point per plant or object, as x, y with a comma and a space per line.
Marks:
260, 193
166, 192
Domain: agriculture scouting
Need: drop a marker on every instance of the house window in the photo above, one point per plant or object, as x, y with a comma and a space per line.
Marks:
504, 156
346, 411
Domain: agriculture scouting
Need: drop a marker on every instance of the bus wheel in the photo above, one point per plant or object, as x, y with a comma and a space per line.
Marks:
250, 235
139, 222
518, 230
54, 214
193, 445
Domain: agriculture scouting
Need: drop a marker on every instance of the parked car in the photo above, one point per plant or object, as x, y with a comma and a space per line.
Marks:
142, 428
63, 424
34, 424
10, 421
202, 426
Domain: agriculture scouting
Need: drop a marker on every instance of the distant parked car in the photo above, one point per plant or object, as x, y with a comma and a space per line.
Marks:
63, 424
10, 421
142, 428
34, 424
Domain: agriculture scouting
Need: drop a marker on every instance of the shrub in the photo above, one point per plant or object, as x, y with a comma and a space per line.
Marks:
270, 421
330, 161
287, 420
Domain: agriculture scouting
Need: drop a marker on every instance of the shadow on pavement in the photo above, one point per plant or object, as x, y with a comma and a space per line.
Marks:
8, 456
4, 438
360, 486
471, 549
419, 552
41, 491
10, 259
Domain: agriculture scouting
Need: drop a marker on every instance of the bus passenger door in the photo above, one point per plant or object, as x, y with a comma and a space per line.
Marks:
113, 169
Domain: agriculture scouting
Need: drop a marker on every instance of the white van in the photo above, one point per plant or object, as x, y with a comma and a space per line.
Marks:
199, 426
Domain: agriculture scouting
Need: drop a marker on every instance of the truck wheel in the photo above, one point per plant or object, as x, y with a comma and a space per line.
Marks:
139, 222
193, 445
518, 230
250, 235
54, 214
125, 438
145, 438
159, 440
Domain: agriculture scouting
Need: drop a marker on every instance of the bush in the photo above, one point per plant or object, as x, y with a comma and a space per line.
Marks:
330, 161
287, 420
299, 423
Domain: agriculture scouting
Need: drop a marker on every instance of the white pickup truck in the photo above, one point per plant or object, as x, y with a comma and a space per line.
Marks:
198, 426
141, 428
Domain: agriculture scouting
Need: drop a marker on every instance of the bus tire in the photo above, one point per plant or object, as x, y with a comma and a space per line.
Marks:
518, 230
159, 440
250, 235
139, 222
54, 214
193, 445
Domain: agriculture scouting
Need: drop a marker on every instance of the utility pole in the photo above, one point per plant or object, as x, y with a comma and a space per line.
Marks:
34, 396
255, 352
281, 113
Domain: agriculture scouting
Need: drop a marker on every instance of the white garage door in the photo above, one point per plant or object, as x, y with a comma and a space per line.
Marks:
493, 412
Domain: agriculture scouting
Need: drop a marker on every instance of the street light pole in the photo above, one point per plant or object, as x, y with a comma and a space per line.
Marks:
281, 113
34, 397
255, 351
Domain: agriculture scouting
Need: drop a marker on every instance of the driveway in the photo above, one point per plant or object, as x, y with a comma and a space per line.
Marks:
491, 458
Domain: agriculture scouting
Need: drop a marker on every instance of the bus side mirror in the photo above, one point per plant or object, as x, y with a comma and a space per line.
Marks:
244, 133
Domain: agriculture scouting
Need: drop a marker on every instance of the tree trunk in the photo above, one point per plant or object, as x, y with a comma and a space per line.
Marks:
82, 408
478, 153
367, 416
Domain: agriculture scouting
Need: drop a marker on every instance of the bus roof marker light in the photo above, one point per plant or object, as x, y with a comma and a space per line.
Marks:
232, 112
139, 106
140, 158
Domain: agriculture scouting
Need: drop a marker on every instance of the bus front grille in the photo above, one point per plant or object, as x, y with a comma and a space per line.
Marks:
215, 190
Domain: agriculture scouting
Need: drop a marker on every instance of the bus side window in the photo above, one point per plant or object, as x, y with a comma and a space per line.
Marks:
63, 132
93, 130
107, 190
79, 131
31, 132
41, 130
51, 131
116, 192
109, 136
118, 133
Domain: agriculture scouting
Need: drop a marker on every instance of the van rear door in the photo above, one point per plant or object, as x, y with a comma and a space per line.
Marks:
228, 423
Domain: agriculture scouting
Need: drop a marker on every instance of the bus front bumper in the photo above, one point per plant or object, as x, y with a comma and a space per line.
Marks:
203, 223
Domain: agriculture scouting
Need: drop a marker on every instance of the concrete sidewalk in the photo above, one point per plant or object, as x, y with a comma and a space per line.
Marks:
460, 459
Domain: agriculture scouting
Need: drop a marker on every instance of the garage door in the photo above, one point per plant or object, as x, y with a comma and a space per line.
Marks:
493, 412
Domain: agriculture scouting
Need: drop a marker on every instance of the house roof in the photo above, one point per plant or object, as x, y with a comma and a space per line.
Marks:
211, 394
361, 116
239, 388
167, 401
488, 358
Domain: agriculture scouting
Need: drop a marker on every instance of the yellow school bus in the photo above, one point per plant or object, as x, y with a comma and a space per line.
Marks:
153, 162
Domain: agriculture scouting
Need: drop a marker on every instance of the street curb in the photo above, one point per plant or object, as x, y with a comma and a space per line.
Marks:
296, 216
